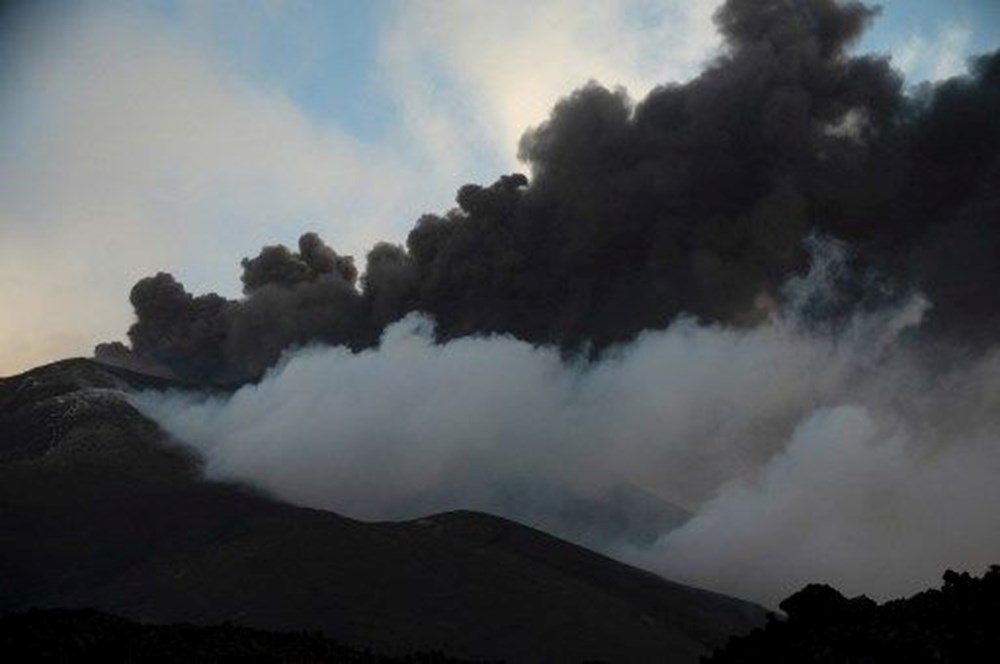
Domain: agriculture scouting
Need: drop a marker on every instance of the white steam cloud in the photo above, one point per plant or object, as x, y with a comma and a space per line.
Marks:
848, 458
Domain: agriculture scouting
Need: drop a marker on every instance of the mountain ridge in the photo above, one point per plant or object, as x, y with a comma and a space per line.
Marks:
103, 510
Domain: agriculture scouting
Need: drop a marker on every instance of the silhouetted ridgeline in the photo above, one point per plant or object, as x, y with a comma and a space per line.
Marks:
100, 510
958, 623
62, 635
694, 200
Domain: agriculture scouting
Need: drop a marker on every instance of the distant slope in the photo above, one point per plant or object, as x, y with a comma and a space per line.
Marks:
99, 509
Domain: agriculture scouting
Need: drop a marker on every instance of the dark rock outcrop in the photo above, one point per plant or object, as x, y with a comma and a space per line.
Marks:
958, 623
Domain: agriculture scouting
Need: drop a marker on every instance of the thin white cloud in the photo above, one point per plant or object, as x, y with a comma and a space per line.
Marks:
132, 151
933, 58
473, 76
130, 145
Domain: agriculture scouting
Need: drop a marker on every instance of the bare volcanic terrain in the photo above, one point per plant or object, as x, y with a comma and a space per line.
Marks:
99, 509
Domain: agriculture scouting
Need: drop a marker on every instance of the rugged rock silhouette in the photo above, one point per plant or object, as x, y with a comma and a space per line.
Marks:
960, 622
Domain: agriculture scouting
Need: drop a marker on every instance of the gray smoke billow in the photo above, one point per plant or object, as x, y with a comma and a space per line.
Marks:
742, 332
694, 201
804, 455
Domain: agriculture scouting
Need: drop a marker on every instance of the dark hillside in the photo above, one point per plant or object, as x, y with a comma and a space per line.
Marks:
100, 510
64, 635
960, 622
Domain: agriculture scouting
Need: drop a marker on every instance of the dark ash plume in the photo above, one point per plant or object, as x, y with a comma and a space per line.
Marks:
291, 299
278, 266
175, 329
695, 200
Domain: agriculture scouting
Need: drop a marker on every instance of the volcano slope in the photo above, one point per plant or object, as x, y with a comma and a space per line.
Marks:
99, 509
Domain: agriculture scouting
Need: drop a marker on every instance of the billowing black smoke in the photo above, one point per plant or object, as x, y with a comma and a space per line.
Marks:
695, 200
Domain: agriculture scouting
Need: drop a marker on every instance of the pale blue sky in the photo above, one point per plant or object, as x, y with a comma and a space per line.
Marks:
182, 135
927, 24
324, 53
321, 53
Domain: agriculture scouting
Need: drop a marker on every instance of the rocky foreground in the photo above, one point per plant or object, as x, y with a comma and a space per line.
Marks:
960, 622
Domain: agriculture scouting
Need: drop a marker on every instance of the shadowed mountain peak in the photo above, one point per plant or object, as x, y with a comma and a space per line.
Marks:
102, 510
